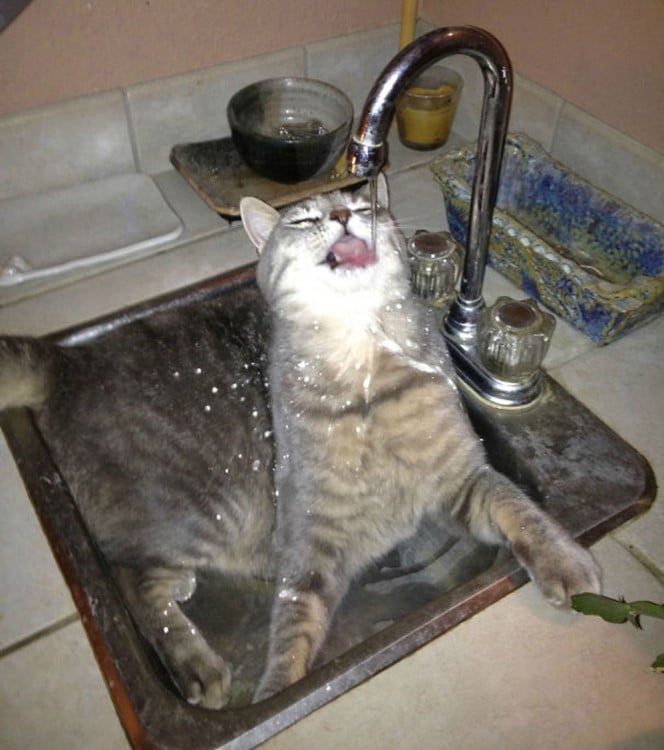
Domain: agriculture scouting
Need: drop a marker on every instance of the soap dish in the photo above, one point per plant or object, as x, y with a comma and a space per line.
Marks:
586, 255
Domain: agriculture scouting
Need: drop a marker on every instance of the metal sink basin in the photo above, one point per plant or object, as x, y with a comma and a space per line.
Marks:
582, 472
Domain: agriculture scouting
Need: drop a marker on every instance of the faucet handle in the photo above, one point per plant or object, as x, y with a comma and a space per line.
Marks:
435, 260
513, 338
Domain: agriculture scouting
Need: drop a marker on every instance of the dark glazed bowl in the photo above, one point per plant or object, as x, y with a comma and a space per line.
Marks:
290, 129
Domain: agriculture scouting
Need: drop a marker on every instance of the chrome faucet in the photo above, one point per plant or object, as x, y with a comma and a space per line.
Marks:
367, 154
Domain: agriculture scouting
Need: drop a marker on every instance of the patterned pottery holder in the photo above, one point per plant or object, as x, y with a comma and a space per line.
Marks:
586, 255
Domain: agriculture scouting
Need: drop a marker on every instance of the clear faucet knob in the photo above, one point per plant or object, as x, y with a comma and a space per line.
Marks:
513, 338
435, 260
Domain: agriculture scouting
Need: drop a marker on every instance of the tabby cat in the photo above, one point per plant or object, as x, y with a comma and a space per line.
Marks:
164, 428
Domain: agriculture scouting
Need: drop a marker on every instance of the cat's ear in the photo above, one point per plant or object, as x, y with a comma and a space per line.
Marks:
258, 219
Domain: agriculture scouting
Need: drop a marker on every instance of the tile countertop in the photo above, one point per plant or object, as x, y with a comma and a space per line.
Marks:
519, 674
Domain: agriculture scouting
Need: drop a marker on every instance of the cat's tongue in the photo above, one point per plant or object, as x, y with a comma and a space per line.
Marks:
351, 251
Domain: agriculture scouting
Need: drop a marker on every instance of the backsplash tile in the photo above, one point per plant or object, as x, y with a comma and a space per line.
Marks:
535, 111
353, 62
124, 131
611, 160
192, 107
64, 144
469, 108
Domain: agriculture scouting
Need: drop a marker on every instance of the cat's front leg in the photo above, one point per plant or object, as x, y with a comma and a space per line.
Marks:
152, 596
497, 511
303, 608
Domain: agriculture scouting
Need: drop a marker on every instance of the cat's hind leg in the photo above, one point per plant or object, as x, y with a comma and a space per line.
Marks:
301, 615
496, 511
152, 596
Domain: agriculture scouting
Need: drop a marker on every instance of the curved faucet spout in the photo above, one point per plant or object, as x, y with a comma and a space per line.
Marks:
367, 151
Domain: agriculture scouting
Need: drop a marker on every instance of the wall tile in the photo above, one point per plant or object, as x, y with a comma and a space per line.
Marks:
192, 107
467, 118
353, 62
65, 144
611, 160
535, 111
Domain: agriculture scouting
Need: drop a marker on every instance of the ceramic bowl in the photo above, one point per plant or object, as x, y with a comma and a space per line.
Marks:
290, 129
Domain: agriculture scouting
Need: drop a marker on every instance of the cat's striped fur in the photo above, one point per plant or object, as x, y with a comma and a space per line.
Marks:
370, 439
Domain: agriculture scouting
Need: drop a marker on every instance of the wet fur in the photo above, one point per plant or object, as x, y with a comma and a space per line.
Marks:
370, 438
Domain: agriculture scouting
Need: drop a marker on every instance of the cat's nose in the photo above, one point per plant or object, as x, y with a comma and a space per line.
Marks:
341, 215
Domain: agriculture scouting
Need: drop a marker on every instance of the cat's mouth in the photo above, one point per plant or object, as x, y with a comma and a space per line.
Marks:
350, 252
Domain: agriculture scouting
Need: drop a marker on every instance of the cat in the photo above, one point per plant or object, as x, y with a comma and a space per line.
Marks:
303, 465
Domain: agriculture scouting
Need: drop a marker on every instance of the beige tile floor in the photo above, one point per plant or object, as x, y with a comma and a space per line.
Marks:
517, 675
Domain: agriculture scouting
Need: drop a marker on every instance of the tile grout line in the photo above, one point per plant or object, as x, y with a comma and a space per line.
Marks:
37, 635
640, 557
131, 129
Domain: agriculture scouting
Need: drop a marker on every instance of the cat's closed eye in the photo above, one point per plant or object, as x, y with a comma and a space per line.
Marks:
304, 221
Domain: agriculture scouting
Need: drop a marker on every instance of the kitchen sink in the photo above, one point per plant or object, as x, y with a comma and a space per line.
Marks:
569, 461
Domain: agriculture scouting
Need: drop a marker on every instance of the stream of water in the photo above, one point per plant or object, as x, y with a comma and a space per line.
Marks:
373, 187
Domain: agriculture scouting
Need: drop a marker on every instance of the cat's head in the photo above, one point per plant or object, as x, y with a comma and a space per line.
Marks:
318, 255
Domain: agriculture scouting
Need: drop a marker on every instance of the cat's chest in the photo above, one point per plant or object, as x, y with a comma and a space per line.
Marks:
368, 414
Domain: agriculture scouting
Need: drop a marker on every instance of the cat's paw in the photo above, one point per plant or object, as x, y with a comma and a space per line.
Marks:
203, 678
570, 570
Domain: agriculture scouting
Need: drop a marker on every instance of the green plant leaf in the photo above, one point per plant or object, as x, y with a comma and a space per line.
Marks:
611, 610
648, 608
658, 664
619, 611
